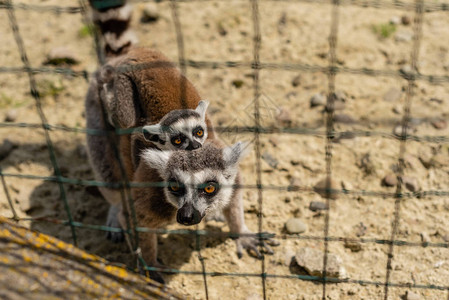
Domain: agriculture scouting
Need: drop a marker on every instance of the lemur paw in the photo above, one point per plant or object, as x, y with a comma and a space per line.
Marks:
252, 244
112, 221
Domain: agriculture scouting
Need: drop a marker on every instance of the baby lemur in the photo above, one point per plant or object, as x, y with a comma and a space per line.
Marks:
139, 87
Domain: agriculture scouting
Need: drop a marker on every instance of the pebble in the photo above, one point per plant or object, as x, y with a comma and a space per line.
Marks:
284, 118
405, 20
411, 296
425, 238
295, 225
439, 124
337, 105
6, 148
344, 118
271, 161
311, 260
150, 13
295, 184
296, 81
340, 96
11, 115
354, 246
395, 20
321, 188
397, 109
390, 180
408, 131
61, 56
406, 70
403, 36
238, 83
317, 100
392, 95
318, 205
411, 183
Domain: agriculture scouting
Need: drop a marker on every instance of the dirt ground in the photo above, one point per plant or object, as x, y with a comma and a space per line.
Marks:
291, 33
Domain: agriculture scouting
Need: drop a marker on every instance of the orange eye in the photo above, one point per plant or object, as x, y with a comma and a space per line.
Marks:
199, 133
174, 187
209, 189
177, 141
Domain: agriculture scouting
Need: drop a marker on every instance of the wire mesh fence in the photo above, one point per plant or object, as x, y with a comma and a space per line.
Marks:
256, 65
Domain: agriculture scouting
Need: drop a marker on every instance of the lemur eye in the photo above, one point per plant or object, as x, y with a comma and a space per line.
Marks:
174, 186
177, 140
199, 133
210, 188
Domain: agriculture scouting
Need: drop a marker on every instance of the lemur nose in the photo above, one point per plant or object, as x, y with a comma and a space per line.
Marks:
193, 145
188, 215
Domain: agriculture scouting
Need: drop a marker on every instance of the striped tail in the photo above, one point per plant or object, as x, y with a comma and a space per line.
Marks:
113, 18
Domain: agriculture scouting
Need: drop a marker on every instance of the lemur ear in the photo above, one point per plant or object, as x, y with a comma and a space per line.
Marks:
156, 159
201, 108
234, 154
151, 132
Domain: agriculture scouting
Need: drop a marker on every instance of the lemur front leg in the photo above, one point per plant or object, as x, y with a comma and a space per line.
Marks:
236, 222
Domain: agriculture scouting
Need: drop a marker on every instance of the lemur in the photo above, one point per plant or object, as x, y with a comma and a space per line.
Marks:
158, 98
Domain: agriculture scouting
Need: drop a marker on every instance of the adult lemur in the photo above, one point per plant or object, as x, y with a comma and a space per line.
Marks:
139, 87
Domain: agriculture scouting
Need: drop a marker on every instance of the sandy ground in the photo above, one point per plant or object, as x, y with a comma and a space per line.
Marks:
291, 33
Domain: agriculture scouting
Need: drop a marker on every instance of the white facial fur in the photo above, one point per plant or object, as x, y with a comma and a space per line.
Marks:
185, 128
194, 181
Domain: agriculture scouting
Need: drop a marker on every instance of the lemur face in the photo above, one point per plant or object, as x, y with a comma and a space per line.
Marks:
183, 129
199, 181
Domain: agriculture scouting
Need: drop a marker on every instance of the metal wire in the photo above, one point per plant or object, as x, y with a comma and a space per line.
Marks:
332, 70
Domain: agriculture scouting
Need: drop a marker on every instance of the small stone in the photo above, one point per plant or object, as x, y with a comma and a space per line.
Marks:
439, 124
354, 246
405, 20
11, 115
61, 56
395, 20
284, 118
311, 260
6, 148
343, 118
340, 96
317, 100
295, 184
295, 225
392, 95
403, 36
411, 183
337, 105
411, 296
446, 237
296, 81
271, 161
274, 141
408, 130
322, 186
425, 238
397, 109
150, 13
390, 180
318, 205
437, 100
407, 71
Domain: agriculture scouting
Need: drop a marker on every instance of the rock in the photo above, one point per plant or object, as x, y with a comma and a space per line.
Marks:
284, 118
344, 118
150, 13
295, 184
274, 141
425, 238
397, 109
295, 225
403, 36
337, 105
322, 186
408, 131
407, 71
390, 180
446, 237
340, 96
11, 115
318, 205
435, 161
317, 100
354, 246
439, 124
311, 260
6, 148
61, 56
395, 20
405, 20
271, 161
411, 183
411, 296
296, 81
392, 95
